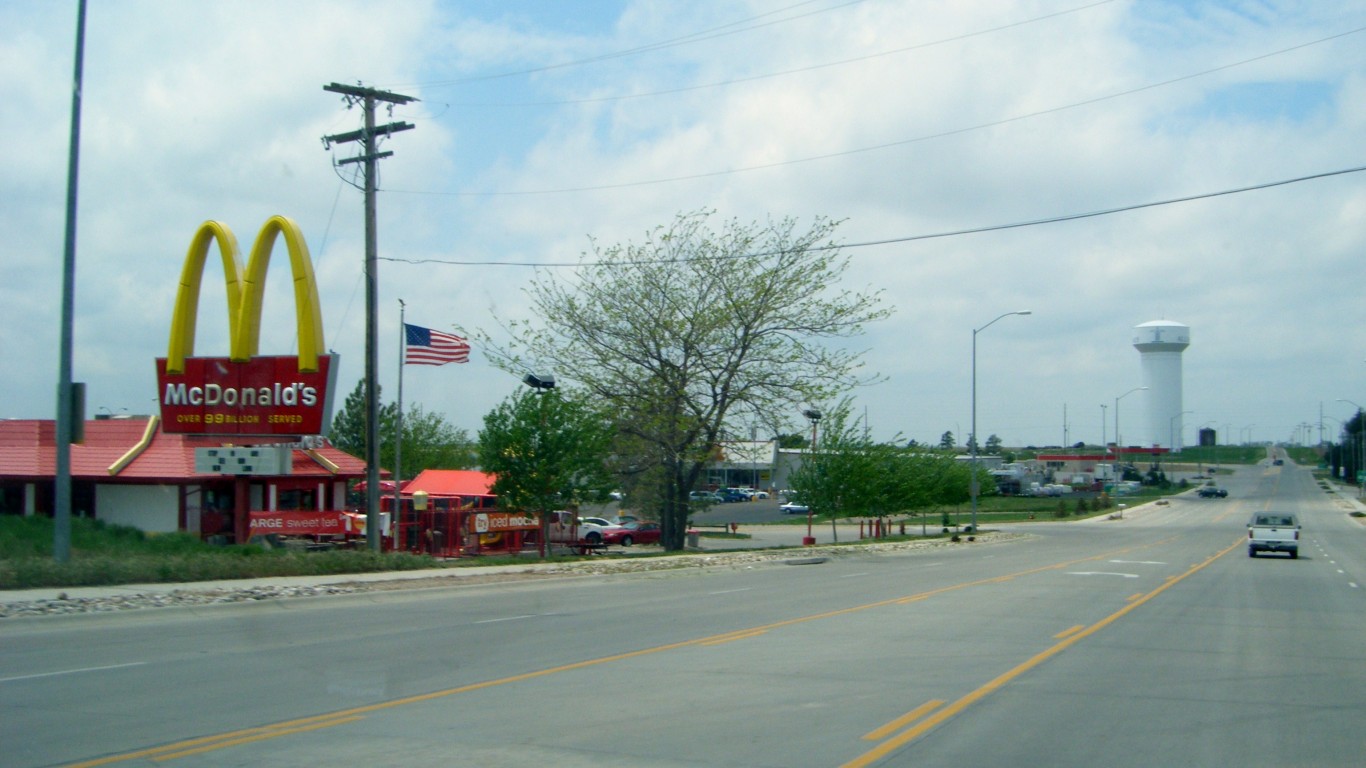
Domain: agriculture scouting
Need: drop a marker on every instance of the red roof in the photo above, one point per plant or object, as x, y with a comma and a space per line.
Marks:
451, 482
28, 449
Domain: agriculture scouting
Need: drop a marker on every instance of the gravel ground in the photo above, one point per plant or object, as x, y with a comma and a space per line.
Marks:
64, 605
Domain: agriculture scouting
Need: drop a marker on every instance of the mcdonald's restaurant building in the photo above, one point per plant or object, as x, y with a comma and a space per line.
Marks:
127, 471
236, 449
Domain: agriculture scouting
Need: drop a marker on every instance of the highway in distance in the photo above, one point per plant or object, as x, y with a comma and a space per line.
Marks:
1151, 640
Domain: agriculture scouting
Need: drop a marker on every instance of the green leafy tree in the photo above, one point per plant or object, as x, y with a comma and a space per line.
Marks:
849, 475
546, 451
946, 441
840, 476
994, 445
792, 441
694, 333
429, 441
348, 425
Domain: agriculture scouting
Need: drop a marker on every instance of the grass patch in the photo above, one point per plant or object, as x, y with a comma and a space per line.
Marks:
103, 554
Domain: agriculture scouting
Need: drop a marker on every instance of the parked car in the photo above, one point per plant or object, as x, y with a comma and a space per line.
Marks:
632, 533
794, 508
590, 529
706, 497
731, 495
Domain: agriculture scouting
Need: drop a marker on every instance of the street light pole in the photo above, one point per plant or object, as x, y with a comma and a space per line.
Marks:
972, 440
814, 416
1361, 445
1119, 442
541, 383
1171, 430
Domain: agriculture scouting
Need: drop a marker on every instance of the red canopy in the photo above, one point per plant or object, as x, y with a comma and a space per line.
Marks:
451, 482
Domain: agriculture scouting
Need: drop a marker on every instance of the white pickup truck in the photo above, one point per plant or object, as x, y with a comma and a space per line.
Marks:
1273, 532
581, 534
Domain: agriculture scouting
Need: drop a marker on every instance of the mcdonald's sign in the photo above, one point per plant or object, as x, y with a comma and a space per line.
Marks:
246, 394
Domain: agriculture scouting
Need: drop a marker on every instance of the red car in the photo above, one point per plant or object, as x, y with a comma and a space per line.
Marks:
634, 532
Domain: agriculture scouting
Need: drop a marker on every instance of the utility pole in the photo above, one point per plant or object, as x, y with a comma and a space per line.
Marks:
70, 419
367, 97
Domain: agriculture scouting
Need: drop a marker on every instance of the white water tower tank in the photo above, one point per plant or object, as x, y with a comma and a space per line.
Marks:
1160, 344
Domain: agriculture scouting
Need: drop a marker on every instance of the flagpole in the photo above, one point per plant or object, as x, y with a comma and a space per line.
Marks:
398, 438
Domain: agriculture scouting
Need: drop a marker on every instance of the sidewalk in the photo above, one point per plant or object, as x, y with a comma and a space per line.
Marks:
12, 596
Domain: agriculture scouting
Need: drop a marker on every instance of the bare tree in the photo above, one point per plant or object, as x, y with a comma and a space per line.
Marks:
695, 332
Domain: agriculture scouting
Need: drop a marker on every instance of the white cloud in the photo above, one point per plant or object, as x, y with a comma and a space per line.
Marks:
215, 110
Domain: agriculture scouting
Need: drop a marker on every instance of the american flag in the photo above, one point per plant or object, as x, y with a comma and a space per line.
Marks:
428, 347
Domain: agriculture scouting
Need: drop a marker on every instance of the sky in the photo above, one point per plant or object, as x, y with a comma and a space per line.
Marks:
925, 128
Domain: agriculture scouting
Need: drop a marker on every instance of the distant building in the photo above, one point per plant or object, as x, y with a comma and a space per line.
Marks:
743, 463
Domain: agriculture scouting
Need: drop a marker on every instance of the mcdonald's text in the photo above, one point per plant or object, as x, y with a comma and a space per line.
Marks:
296, 393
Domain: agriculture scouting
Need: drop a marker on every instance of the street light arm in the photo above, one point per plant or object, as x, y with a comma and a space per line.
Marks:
999, 317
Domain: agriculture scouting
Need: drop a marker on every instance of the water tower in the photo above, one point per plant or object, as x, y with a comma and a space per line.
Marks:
1160, 344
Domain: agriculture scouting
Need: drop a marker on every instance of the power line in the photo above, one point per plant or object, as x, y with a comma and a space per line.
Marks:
724, 30
799, 70
913, 238
888, 145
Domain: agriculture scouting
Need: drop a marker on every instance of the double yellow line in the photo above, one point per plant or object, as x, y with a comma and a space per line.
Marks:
231, 739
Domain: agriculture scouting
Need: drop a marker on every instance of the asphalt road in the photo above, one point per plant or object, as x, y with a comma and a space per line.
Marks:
1152, 640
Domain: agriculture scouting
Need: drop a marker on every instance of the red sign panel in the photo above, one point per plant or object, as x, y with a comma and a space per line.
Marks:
489, 522
263, 396
297, 523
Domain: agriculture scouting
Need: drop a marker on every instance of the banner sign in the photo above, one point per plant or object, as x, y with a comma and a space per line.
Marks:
298, 523
491, 522
244, 394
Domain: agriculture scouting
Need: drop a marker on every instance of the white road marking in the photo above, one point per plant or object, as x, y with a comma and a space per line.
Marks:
1139, 562
507, 618
1102, 573
72, 671
730, 591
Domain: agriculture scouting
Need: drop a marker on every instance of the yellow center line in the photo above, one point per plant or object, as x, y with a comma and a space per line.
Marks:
271, 734
904, 720
1069, 631
954, 709
208, 743
734, 637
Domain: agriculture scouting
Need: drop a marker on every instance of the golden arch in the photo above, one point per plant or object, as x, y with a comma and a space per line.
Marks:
246, 290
